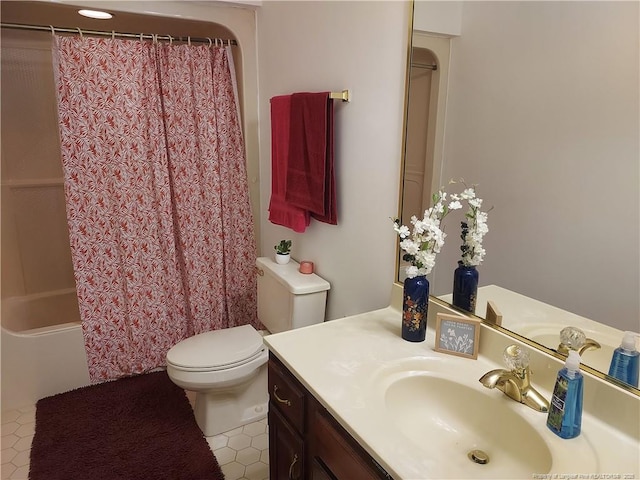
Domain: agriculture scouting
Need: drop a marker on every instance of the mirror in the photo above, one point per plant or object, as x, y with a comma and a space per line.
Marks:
542, 114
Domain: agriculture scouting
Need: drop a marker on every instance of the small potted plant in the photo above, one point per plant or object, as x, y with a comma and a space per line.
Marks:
283, 252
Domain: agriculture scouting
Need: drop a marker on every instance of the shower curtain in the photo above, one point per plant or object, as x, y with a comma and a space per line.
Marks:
157, 197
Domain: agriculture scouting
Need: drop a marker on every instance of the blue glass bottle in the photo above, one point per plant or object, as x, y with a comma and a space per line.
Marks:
465, 287
565, 412
415, 304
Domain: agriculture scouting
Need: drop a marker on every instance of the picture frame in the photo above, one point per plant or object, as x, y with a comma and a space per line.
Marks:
457, 335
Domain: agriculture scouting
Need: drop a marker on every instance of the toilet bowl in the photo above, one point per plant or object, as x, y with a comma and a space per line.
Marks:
227, 368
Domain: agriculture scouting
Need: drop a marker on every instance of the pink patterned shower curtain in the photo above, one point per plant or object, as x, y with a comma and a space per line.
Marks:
158, 206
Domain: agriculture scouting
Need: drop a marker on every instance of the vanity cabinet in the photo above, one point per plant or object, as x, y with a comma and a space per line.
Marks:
287, 398
305, 441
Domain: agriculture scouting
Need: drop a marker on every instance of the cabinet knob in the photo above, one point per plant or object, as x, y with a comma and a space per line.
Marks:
281, 400
293, 463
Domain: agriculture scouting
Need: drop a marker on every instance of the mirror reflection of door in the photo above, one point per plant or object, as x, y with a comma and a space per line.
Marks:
419, 143
424, 127
418, 171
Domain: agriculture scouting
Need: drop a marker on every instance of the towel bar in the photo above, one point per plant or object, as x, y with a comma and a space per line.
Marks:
344, 95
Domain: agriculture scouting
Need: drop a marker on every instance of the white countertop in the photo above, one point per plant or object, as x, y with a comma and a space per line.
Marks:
341, 362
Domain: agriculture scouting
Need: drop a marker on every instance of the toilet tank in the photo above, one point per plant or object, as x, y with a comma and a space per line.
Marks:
287, 298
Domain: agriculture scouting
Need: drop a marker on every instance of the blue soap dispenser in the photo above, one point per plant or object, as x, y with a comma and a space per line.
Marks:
625, 360
565, 411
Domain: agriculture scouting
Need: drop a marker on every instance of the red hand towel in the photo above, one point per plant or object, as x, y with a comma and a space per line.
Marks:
331, 214
280, 212
310, 170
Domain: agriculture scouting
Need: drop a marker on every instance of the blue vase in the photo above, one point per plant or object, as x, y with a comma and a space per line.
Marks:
414, 308
465, 287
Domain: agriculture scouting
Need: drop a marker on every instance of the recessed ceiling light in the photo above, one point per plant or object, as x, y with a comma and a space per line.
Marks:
95, 14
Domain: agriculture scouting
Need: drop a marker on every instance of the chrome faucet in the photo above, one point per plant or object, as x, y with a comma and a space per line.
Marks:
572, 338
515, 383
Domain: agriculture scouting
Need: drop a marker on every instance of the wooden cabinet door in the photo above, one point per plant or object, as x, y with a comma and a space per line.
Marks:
286, 393
337, 452
305, 441
319, 471
286, 449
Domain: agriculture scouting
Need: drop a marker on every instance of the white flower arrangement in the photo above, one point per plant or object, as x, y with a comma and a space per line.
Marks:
427, 238
474, 228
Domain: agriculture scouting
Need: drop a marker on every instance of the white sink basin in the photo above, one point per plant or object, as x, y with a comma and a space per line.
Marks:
464, 420
444, 414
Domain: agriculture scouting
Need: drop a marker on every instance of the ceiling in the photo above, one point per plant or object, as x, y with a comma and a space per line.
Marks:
66, 16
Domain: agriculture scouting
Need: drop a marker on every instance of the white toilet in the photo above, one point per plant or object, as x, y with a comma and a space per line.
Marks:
228, 368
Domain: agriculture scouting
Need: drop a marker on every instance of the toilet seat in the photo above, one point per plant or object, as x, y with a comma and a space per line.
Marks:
217, 350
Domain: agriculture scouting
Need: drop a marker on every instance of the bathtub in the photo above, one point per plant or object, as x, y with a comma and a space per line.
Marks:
42, 347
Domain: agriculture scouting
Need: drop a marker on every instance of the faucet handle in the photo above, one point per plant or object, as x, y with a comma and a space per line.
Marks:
572, 337
516, 358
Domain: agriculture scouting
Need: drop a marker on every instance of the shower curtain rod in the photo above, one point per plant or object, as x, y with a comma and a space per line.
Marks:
424, 65
113, 34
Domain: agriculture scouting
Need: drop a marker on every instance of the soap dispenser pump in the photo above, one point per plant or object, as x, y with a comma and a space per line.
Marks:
565, 411
625, 360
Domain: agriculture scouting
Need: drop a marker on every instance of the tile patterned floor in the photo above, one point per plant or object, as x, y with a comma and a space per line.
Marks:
18, 427
243, 453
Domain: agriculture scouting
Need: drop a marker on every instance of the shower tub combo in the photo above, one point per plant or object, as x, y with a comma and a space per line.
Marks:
42, 347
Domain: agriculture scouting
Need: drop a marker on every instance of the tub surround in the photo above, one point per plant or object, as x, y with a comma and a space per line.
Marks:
341, 364
42, 347
41, 362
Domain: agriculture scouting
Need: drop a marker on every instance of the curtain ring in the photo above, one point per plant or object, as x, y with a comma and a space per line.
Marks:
80, 32
113, 34
141, 37
189, 41
210, 42
170, 40
53, 30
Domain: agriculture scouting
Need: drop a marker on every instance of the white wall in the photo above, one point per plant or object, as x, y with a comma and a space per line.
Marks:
439, 17
362, 46
543, 115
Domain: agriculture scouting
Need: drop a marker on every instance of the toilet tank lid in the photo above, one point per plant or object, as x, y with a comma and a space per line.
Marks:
289, 276
216, 348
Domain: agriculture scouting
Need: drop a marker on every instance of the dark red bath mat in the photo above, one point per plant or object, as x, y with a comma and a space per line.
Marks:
136, 428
